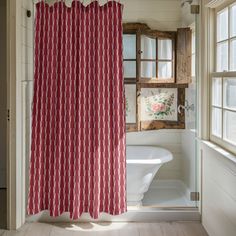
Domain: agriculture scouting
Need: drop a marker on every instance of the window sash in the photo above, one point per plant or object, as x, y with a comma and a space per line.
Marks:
221, 140
157, 59
229, 36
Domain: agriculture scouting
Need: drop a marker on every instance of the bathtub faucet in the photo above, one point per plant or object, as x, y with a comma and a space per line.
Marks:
186, 107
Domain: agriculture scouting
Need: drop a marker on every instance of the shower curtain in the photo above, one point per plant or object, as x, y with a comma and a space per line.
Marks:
77, 161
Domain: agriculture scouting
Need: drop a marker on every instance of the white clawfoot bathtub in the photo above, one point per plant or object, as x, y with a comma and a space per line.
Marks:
143, 162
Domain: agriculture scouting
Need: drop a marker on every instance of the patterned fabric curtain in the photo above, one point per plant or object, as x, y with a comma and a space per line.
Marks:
77, 159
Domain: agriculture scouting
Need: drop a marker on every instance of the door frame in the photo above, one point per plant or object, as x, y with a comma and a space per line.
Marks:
15, 162
16, 213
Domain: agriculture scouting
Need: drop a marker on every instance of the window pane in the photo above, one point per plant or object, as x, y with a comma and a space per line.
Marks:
148, 69
130, 69
230, 93
217, 92
164, 49
129, 46
230, 126
216, 121
164, 70
222, 56
233, 55
233, 20
222, 25
148, 47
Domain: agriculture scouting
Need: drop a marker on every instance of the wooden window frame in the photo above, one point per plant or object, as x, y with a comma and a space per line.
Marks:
139, 29
133, 126
158, 35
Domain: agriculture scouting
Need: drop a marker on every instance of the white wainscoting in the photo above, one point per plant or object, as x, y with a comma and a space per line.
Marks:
218, 191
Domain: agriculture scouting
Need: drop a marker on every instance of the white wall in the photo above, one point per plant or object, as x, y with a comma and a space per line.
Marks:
218, 191
158, 14
186, 17
3, 95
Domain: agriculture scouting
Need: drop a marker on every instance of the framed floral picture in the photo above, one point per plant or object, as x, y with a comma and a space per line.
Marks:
159, 104
130, 101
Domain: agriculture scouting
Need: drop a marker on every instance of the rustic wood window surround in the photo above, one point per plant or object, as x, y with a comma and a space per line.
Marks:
151, 64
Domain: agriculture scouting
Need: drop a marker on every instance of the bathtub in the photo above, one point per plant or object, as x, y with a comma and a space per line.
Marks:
143, 162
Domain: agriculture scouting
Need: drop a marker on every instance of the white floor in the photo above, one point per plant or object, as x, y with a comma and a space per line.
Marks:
110, 229
166, 197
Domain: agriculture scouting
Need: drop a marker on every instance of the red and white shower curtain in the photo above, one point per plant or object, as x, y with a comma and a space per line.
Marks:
77, 159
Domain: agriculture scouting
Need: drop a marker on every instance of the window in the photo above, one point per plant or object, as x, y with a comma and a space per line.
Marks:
223, 80
152, 88
157, 58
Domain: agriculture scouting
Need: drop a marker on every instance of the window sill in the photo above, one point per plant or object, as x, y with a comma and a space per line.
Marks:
223, 152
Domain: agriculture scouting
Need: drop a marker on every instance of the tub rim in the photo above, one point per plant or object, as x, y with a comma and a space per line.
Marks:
159, 160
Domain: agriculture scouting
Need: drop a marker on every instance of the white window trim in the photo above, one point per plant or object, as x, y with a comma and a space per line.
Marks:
213, 59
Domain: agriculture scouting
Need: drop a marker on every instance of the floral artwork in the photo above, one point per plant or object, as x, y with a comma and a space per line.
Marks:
130, 102
159, 104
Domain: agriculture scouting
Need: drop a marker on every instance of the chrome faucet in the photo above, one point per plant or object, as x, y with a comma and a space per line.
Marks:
186, 107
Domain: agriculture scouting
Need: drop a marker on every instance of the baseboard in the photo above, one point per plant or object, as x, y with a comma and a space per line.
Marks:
139, 215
